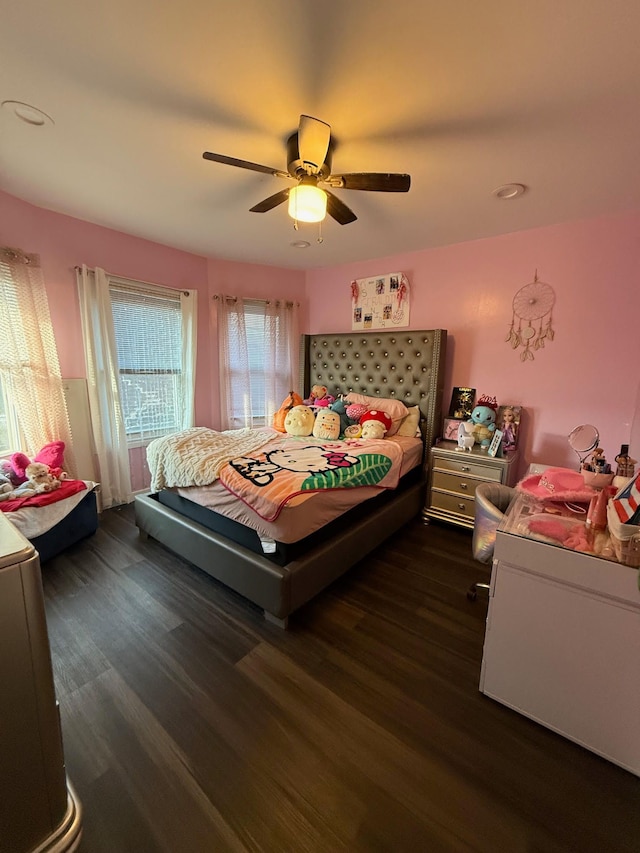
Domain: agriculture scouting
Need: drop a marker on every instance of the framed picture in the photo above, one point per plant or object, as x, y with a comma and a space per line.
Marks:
508, 422
450, 429
495, 448
462, 403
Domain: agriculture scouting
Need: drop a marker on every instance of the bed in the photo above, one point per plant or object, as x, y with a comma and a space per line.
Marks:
280, 576
55, 527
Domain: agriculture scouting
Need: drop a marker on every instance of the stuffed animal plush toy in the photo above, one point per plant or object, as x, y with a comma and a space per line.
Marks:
355, 411
483, 418
327, 424
340, 407
319, 397
40, 477
7, 473
278, 419
353, 431
375, 424
51, 455
6, 488
299, 421
466, 438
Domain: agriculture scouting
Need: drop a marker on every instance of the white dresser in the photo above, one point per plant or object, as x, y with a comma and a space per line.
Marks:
454, 477
562, 642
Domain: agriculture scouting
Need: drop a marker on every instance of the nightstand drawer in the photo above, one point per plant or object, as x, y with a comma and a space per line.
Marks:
460, 484
464, 465
453, 503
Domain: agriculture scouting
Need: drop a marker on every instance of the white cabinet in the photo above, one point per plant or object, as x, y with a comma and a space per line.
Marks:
454, 477
562, 644
37, 806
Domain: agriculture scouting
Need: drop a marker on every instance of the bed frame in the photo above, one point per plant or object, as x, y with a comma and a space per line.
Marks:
405, 365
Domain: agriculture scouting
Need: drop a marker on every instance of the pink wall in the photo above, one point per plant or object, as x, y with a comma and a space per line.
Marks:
587, 374
63, 242
467, 289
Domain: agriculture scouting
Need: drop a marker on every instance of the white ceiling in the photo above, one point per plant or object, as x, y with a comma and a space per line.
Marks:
462, 95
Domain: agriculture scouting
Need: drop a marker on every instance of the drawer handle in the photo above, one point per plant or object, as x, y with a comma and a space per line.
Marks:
462, 507
464, 486
465, 468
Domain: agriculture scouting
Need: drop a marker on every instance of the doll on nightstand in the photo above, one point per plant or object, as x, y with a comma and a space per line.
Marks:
509, 428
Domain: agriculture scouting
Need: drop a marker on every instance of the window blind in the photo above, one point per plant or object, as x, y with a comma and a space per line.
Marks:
148, 332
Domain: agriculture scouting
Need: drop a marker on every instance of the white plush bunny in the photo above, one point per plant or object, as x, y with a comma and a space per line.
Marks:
466, 437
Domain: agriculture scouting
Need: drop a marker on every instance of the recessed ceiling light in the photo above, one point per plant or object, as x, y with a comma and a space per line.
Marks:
27, 113
300, 244
509, 191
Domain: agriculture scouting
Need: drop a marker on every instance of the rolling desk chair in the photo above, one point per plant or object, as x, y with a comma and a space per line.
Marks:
492, 500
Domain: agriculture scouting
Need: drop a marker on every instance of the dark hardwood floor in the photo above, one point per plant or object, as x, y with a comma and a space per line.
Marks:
191, 724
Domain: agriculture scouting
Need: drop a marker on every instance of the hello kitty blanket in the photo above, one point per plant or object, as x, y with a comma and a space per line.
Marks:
288, 466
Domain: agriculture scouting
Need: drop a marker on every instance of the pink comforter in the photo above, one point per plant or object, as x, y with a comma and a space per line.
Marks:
288, 466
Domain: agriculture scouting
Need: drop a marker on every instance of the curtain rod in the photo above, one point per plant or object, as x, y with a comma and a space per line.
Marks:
12, 254
287, 302
127, 280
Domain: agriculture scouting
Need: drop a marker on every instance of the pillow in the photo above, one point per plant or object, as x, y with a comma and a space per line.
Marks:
394, 408
410, 424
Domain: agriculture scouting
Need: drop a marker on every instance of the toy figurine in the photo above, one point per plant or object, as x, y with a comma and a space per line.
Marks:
483, 418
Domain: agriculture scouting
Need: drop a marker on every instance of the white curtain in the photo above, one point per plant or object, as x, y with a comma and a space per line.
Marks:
189, 313
258, 349
28, 356
102, 380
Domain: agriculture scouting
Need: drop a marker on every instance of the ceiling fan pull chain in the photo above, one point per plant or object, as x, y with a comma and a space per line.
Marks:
320, 237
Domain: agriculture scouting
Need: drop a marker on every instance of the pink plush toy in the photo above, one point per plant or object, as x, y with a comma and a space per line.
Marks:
52, 454
355, 411
319, 397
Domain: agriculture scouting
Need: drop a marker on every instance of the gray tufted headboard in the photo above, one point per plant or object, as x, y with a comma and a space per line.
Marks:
404, 365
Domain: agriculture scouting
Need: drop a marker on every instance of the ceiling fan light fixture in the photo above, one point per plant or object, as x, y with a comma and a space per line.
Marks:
307, 203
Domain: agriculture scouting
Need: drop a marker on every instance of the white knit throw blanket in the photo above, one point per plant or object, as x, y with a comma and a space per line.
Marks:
195, 457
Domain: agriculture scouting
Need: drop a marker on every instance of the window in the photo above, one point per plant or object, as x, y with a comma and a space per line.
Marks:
8, 426
258, 358
255, 330
148, 333
32, 407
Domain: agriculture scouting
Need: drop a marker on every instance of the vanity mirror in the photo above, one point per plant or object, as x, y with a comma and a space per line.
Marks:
583, 439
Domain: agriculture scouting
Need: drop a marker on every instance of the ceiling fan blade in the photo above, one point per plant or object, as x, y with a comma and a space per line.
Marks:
243, 164
382, 182
313, 142
339, 210
271, 202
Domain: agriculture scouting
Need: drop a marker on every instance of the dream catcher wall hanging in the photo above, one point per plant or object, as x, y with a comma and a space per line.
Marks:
532, 311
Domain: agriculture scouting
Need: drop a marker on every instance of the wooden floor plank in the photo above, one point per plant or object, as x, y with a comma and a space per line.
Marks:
192, 724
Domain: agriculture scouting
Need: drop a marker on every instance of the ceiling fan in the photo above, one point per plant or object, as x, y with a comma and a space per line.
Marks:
309, 157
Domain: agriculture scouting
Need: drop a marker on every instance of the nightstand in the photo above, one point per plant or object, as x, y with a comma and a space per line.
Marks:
454, 476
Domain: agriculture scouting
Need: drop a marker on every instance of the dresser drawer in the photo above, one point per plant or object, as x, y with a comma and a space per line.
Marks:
464, 465
454, 504
460, 484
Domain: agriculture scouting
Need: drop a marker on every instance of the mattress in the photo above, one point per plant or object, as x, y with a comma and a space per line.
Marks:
306, 519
